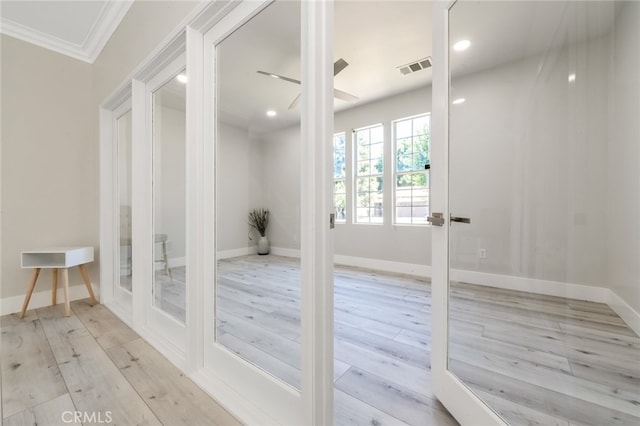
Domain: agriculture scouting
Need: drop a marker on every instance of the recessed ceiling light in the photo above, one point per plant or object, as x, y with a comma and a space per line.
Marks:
461, 45
271, 113
572, 78
459, 101
182, 78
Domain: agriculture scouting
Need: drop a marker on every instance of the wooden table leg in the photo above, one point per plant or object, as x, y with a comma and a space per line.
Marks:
87, 282
32, 285
65, 286
54, 287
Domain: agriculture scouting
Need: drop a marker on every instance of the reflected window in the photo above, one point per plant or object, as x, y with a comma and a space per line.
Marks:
369, 166
411, 143
339, 184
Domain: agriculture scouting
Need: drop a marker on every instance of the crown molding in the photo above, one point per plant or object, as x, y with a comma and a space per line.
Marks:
103, 28
110, 17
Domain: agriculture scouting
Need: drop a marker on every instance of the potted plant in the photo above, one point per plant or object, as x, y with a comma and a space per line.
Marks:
259, 220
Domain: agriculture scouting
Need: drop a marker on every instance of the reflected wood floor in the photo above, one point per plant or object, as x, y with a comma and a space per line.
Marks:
382, 328
535, 359
92, 363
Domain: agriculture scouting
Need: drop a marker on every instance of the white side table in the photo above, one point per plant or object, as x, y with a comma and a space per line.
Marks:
57, 258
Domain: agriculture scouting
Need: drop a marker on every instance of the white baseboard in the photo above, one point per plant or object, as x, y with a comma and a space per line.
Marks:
626, 312
276, 251
244, 251
532, 285
124, 315
508, 282
170, 351
42, 298
232, 401
286, 252
384, 265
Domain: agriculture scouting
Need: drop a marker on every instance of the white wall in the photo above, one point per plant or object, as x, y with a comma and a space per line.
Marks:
281, 183
527, 150
622, 207
239, 177
49, 162
528, 156
50, 140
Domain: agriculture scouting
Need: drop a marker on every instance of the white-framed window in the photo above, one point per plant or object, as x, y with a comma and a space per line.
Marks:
339, 178
369, 168
411, 176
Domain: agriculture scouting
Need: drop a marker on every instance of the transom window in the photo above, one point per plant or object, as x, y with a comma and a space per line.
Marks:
369, 166
339, 184
411, 142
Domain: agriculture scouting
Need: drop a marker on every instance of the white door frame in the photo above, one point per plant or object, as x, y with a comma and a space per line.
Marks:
465, 406
316, 208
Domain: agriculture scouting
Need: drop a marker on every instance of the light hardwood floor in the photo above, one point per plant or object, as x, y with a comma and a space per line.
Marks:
382, 359
534, 359
545, 360
53, 366
537, 360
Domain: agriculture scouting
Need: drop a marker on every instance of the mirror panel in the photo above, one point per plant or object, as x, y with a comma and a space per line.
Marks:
169, 199
123, 134
531, 160
257, 170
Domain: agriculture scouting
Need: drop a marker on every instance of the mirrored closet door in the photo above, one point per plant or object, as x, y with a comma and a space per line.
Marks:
254, 302
169, 189
124, 251
162, 214
258, 192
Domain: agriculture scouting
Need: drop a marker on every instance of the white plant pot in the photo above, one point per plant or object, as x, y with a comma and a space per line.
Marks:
263, 245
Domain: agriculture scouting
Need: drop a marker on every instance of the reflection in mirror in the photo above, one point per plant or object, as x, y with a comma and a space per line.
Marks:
123, 133
169, 180
257, 167
541, 127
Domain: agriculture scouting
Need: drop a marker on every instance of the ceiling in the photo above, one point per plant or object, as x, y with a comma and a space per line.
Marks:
374, 37
79, 29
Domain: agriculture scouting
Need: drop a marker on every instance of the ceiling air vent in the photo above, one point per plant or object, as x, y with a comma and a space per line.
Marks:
415, 66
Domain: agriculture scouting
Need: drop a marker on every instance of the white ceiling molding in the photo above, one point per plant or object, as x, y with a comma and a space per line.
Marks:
100, 32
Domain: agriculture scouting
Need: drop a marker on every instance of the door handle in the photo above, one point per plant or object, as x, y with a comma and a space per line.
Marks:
436, 219
459, 219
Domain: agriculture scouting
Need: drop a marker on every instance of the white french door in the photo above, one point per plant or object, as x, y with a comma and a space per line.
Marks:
466, 407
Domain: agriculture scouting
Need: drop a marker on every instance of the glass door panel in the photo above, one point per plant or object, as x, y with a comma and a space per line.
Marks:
169, 202
257, 294
530, 332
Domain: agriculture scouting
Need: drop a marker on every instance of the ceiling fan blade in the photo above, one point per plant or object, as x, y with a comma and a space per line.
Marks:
295, 102
344, 96
339, 65
279, 77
